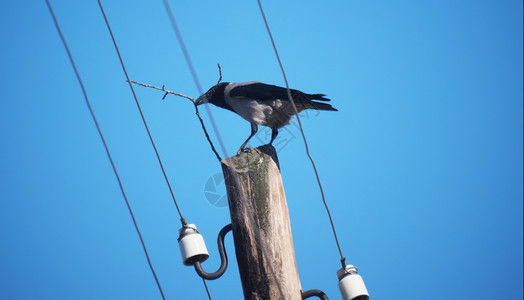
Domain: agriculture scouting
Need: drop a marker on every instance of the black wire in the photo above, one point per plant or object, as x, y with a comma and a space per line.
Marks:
207, 289
199, 88
103, 142
141, 114
302, 131
197, 82
193, 72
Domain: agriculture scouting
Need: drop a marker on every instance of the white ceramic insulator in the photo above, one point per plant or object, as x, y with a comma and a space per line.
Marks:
192, 246
351, 285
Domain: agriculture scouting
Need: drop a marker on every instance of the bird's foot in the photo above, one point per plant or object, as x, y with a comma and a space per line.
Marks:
243, 150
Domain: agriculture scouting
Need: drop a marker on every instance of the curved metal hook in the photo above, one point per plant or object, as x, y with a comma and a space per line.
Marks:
314, 293
223, 257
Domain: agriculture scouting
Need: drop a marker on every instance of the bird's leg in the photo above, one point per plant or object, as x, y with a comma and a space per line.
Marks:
254, 129
274, 133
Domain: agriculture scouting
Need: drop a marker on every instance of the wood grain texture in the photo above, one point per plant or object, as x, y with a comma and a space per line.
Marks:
261, 227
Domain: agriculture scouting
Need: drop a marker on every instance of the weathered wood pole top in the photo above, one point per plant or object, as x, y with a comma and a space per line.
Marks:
261, 227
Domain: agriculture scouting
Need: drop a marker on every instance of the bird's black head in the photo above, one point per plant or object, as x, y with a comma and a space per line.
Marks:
214, 95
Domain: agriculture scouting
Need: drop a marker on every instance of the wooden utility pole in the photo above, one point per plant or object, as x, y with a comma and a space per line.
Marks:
261, 227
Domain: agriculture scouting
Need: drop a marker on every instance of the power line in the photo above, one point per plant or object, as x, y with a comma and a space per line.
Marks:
207, 289
199, 88
193, 72
197, 82
77, 74
144, 120
302, 132
141, 114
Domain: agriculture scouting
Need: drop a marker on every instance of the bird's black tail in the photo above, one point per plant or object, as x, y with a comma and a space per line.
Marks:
306, 102
322, 106
321, 97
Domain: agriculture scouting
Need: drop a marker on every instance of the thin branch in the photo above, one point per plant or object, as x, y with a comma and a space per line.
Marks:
220, 73
190, 99
207, 135
164, 90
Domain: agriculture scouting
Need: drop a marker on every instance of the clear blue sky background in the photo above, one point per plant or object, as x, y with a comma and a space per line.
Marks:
422, 165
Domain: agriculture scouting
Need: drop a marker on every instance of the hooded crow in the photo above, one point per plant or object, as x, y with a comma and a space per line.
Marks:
261, 104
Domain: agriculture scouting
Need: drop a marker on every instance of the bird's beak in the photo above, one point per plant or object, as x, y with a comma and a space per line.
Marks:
201, 100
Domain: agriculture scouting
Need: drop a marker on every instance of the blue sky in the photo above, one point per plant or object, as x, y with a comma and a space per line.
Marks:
421, 165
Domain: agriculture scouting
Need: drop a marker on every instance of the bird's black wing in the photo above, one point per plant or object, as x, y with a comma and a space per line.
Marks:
258, 90
262, 91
